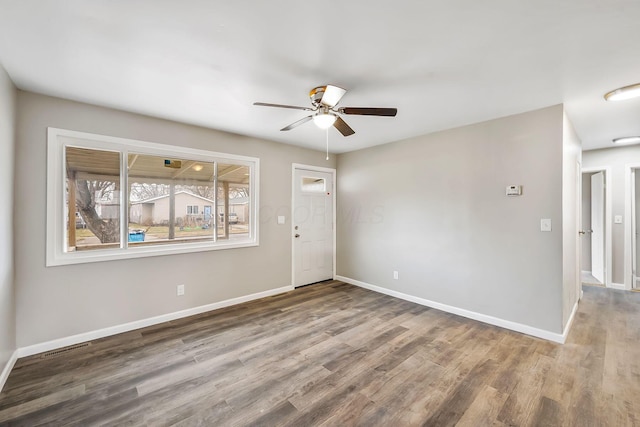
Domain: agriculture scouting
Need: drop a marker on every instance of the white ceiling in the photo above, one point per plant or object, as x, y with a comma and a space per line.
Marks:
443, 64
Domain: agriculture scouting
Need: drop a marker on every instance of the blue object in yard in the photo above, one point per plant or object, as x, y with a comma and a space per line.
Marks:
136, 236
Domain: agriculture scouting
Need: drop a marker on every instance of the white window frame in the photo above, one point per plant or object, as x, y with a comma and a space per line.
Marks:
56, 234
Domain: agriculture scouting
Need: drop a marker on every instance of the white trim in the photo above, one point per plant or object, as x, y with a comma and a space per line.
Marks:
507, 324
126, 327
56, 237
7, 369
332, 171
569, 324
608, 219
620, 286
628, 250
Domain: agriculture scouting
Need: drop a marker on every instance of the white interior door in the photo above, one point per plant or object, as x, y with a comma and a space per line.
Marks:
635, 215
597, 226
312, 226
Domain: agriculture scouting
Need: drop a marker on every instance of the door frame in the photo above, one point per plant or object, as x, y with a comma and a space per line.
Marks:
608, 204
578, 261
332, 171
628, 238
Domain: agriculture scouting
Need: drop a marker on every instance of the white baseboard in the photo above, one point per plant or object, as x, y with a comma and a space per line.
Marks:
7, 369
126, 327
569, 324
620, 286
586, 272
507, 324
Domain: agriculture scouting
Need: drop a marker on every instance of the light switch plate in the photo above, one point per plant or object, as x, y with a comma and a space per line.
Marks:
617, 219
281, 219
514, 190
545, 224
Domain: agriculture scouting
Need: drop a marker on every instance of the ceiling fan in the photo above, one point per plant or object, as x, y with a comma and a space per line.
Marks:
324, 100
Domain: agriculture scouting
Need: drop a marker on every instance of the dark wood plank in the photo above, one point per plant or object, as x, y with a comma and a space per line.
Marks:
334, 354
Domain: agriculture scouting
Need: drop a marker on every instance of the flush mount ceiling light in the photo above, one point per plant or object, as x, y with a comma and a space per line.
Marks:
324, 120
627, 92
627, 140
197, 168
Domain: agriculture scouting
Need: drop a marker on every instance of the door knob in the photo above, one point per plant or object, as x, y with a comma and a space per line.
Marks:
297, 235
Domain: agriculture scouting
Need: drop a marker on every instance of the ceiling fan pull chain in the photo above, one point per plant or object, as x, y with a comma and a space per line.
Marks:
327, 133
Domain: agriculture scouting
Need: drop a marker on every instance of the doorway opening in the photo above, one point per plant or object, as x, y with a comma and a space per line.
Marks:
595, 228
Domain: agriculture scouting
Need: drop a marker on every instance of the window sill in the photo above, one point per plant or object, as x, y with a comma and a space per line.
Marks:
81, 257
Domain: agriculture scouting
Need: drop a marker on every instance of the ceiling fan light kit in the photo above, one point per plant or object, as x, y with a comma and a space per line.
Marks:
324, 100
324, 120
626, 92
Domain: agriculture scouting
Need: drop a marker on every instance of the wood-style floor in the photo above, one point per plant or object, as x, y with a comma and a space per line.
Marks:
336, 355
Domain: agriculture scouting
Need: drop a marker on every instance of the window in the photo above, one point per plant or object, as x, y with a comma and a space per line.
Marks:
113, 198
313, 185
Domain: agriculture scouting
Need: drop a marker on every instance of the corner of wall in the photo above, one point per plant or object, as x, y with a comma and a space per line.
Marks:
8, 95
571, 206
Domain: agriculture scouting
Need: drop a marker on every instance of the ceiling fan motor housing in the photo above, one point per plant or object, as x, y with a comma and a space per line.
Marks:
316, 95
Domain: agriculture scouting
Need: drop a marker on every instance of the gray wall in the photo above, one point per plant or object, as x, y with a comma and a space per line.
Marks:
571, 181
7, 293
616, 158
61, 301
434, 209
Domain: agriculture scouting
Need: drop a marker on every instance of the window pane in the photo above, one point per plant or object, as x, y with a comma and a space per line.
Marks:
313, 185
233, 201
171, 200
92, 199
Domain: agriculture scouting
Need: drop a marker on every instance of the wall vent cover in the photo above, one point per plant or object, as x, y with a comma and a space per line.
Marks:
64, 350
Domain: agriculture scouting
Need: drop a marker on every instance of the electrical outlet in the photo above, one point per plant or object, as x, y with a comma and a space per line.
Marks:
395, 275
180, 290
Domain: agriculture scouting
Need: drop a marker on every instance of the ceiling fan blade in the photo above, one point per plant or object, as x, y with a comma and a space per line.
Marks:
293, 107
343, 127
332, 95
298, 123
365, 111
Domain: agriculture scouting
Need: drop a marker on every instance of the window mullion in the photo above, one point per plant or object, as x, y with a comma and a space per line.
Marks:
215, 202
124, 199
